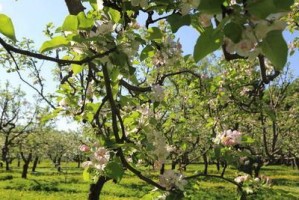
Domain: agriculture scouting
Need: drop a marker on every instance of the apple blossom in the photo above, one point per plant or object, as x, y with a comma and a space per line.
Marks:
100, 4
102, 155
241, 179
157, 93
229, 138
86, 164
84, 148
99, 157
63, 103
102, 28
171, 180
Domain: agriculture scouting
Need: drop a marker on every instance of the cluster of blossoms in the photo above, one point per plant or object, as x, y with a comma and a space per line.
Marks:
157, 93
229, 138
241, 179
265, 180
172, 180
168, 53
160, 151
251, 36
99, 157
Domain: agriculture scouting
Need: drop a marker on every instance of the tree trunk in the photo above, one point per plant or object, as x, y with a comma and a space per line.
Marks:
173, 164
205, 159
5, 156
35, 163
218, 165
19, 161
162, 169
96, 188
7, 168
224, 168
58, 164
78, 163
26, 165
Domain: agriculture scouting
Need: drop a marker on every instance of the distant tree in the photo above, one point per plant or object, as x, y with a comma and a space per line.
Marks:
16, 119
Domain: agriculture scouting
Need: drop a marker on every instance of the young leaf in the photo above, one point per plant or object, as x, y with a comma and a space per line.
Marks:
7, 28
86, 175
211, 7
262, 8
76, 68
284, 5
154, 33
84, 22
275, 49
147, 52
233, 31
114, 170
70, 23
176, 21
115, 15
56, 42
208, 41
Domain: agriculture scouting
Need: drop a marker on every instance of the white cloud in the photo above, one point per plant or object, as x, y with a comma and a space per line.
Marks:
1, 7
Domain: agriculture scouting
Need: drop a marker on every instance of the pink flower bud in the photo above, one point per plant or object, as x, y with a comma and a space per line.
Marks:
84, 148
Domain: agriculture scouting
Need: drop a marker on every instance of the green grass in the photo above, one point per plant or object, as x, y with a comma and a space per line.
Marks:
48, 184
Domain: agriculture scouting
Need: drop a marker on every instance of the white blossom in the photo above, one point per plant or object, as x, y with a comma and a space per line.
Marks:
171, 179
157, 93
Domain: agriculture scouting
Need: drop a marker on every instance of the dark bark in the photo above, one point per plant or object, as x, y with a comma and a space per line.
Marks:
96, 188
173, 164
7, 168
58, 164
162, 169
224, 168
218, 165
5, 157
34, 163
205, 159
78, 163
74, 6
19, 161
26, 164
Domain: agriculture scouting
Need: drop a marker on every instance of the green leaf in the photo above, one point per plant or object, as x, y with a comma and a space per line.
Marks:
93, 4
211, 7
56, 42
233, 31
84, 22
114, 170
86, 175
7, 28
283, 5
147, 52
115, 15
76, 68
261, 8
154, 33
114, 74
70, 23
176, 21
217, 152
208, 41
275, 49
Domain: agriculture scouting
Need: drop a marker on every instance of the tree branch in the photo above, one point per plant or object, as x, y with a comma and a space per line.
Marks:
62, 62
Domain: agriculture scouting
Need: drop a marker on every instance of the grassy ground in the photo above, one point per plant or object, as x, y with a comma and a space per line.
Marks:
47, 184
